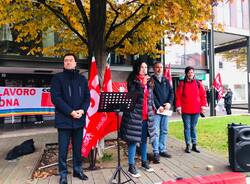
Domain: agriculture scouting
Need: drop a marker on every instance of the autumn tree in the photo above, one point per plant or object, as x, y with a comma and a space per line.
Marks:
239, 56
98, 27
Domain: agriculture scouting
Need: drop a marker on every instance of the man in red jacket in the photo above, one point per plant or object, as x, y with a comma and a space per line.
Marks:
190, 102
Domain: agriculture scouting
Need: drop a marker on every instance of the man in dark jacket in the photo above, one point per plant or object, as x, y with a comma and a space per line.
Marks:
71, 97
163, 98
228, 101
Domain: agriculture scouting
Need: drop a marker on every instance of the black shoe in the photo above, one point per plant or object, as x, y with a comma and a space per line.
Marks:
80, 175
146, 166
133, 172
187, 150
156, 158
63, 180
165, 154
194, 148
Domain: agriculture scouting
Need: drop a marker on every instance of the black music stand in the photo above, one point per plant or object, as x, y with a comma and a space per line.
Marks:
117, 102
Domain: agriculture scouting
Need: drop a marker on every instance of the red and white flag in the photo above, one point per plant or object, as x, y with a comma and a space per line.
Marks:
167, 74
107, 82
110, 124
217, 84
93, 118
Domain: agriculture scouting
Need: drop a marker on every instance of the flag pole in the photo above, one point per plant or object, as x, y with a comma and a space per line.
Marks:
108, 60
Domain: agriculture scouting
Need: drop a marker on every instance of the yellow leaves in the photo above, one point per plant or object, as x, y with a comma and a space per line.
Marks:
172, 17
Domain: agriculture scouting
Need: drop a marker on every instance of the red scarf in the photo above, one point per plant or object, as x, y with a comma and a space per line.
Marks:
145, 98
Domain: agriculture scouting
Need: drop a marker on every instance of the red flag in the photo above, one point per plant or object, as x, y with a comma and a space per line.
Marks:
93, 118
167, 74
119, 86
111, 119
107, 82
217, 84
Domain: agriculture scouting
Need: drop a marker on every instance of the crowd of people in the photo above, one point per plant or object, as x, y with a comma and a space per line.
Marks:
71, 97
154, 96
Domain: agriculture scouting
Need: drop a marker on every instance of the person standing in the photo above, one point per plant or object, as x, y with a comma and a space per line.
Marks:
228, 101
138, 123
163, 98
190, 102
71, 98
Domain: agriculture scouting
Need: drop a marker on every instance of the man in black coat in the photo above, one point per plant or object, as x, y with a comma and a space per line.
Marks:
163, 98
228, 101
71, 97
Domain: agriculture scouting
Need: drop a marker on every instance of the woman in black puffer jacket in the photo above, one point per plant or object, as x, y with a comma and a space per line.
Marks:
139, 123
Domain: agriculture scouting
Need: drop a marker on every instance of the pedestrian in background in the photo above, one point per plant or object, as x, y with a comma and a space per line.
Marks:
228, 101
190, 102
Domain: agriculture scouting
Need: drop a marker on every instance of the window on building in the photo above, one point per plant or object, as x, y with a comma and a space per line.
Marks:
5, 33
191, 53
226, 14
239, 92
239, 14
220, 64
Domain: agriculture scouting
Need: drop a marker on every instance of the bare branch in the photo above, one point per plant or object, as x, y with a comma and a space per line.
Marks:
113, 27
112, 7
130, 2
128, 34
64, 19
83, 13
113, 22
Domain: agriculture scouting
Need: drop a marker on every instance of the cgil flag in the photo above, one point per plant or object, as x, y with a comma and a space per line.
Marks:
217, 84
110, 124
93, 118
167, 74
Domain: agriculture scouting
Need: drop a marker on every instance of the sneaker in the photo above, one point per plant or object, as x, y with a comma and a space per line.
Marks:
133, 172
165, 154
156, 158
146, 166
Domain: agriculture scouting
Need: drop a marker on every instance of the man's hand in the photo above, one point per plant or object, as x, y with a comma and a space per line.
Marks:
77, 113
167, 106
161, 109
80, 111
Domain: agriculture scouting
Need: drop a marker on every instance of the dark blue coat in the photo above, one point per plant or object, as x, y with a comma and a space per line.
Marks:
69, 91
163, 92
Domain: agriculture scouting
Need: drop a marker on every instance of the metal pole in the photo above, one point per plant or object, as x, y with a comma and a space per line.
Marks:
248, 70
211, 66
248, 57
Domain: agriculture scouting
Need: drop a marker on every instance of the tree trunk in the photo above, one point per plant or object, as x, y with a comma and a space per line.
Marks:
96, 34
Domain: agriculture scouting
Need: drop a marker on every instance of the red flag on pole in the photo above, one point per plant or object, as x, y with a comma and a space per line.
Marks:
107, 82
217, 84
110, 125
167, 74
119, 86
93, 118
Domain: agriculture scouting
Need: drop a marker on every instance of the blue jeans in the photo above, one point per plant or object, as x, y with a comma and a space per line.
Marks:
190, 122
143, 145
161, 127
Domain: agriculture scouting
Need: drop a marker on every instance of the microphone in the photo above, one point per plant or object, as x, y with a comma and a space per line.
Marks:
147, 76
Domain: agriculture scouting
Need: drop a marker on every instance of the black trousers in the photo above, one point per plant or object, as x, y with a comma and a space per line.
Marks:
228, 109
64, 137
